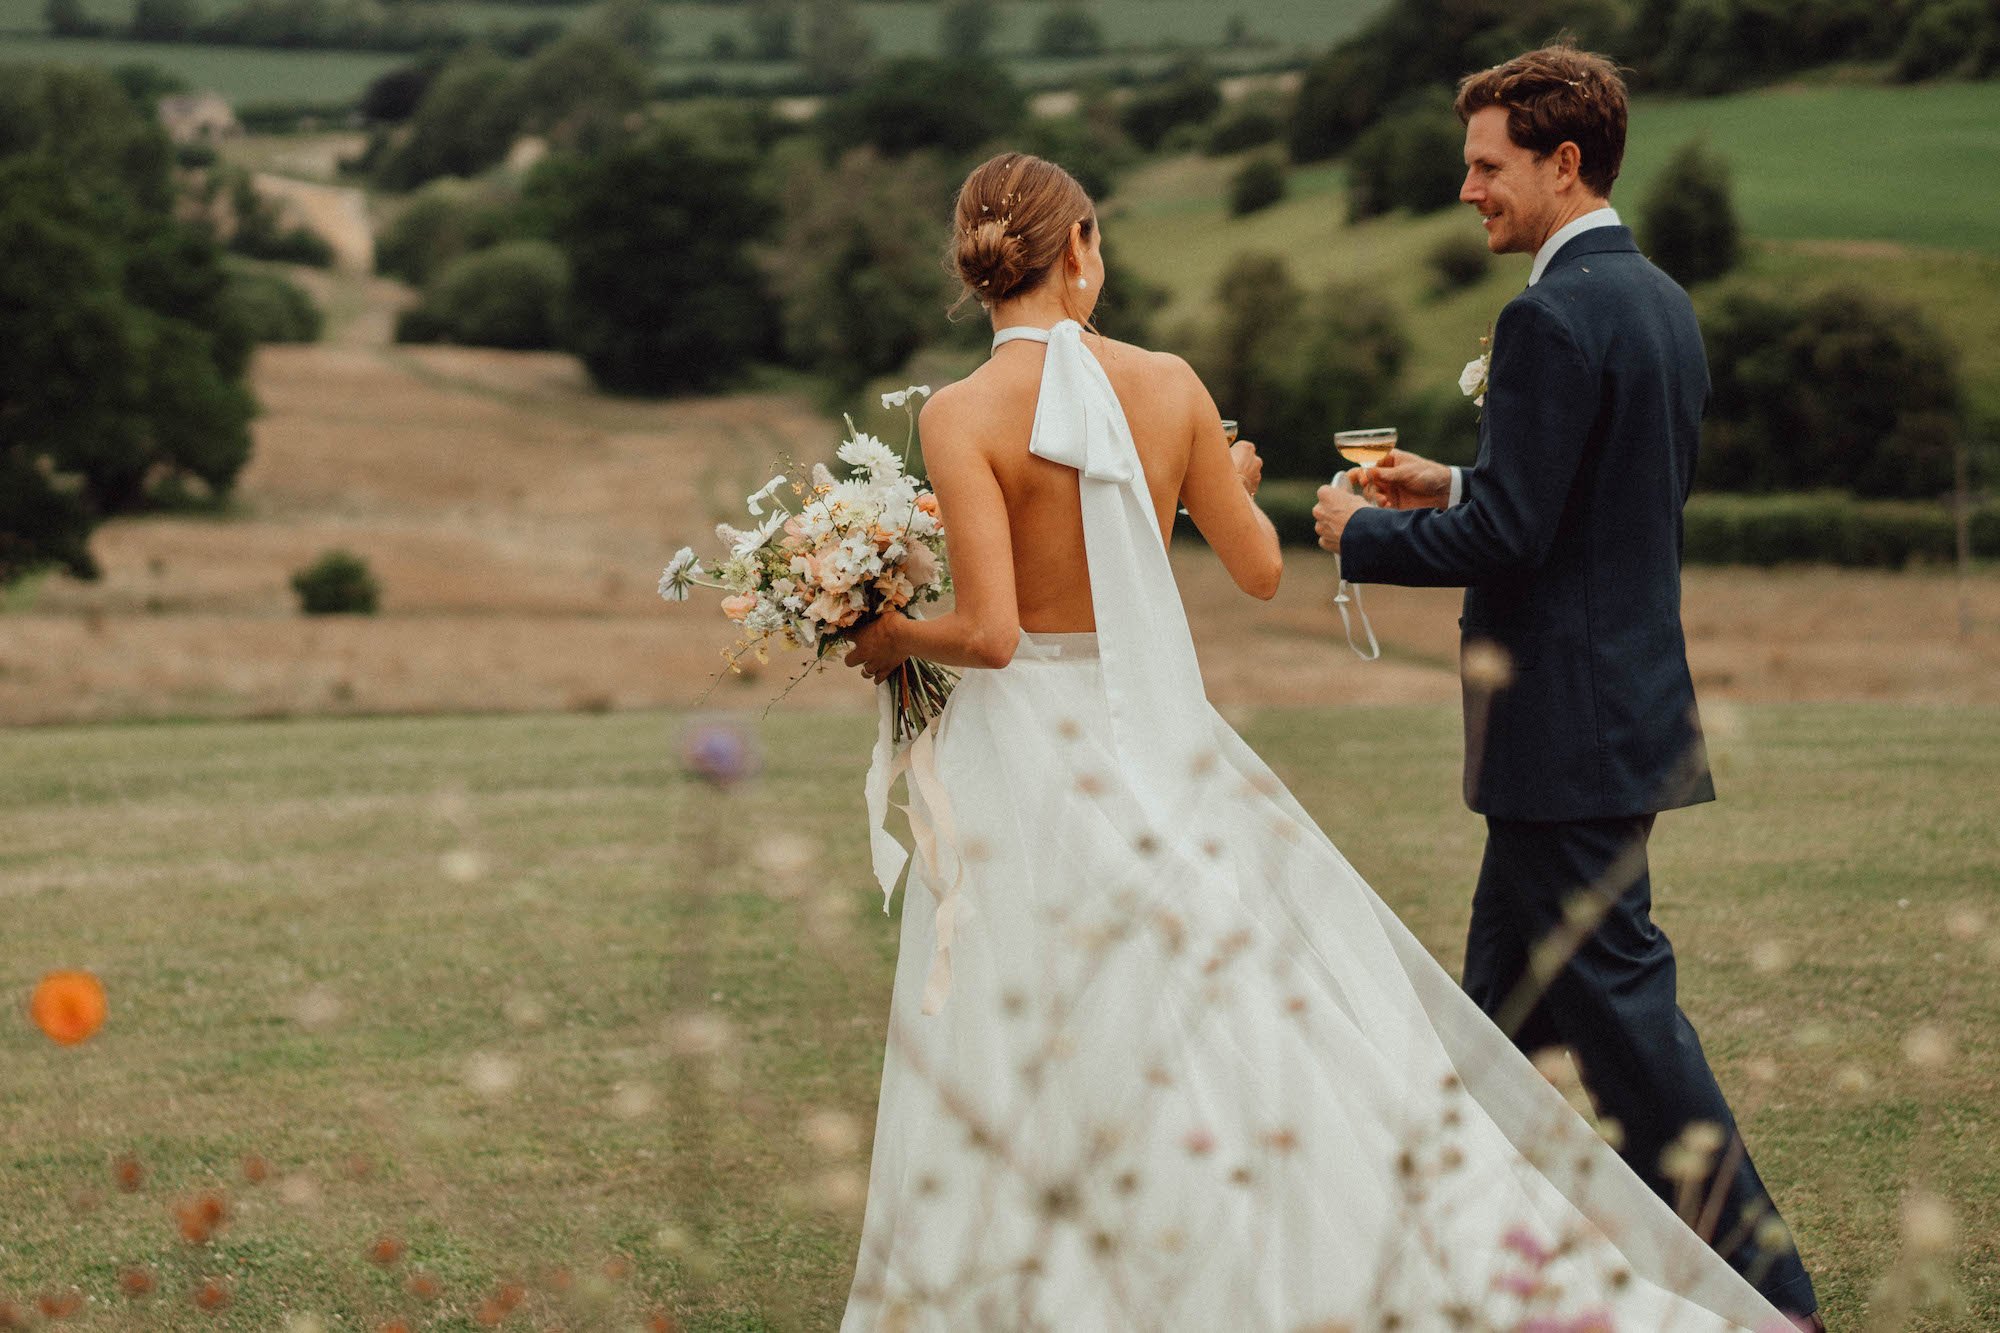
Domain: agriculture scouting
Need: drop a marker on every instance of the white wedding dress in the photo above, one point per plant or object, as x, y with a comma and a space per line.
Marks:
1159, 1059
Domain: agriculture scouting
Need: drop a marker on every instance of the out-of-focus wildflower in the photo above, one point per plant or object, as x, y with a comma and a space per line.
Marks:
387, 1251
129, 1173
492, 1075
137, 1281
1927, 1047
423, 1286
1929, 1227
69, 1007
64, 1304
256, 1169
462, 865
201, 1216
719, 753
212, 1295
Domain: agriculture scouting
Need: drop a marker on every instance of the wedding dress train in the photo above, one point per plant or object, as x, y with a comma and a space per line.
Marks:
1158, 1058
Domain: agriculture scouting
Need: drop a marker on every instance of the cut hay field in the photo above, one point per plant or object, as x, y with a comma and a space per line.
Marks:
516, 1001
1890, 189
518, 521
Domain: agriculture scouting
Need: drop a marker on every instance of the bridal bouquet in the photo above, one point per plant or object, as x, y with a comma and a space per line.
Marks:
829, 554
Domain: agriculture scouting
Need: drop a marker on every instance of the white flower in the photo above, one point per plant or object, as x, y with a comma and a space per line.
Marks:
870, 455
1472, 379
769, 488
902, 396
749, 543
680, 573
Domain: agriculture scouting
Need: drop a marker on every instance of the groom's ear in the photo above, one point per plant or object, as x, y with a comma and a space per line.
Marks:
1569, 164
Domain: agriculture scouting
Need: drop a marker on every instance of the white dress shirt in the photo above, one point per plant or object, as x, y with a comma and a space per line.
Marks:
1603, 217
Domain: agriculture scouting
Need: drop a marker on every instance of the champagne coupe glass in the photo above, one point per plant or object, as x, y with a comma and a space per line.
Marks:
1229, 430
1365, 448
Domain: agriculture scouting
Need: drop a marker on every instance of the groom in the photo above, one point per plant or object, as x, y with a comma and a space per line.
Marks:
1580, 712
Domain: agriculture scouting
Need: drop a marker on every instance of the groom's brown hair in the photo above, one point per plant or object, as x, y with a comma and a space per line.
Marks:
1554, 96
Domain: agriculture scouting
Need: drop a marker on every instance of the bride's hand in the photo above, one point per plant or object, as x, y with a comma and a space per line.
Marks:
1249, 467
876, 645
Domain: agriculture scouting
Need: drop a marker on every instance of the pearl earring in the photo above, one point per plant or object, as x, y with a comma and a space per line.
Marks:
1082, 283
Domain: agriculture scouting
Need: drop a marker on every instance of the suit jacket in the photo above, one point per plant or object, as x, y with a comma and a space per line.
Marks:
1568, 543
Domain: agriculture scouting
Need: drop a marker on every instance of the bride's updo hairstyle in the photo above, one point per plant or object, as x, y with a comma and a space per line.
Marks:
1012, 225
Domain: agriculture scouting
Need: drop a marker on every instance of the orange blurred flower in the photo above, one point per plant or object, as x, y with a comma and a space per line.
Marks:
13, 1316
617, 1268
423, 1286
387, 1251
394, 1326
256, 1169
211, 1295
662, 1322
201, 1216
69, 1007
130, 1173
137, 1281
59, 1304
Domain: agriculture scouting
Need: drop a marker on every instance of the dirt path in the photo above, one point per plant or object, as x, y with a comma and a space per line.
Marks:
337, 212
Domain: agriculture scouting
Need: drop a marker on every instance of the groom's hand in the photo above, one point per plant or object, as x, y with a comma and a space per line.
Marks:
1336, 505
1407, 481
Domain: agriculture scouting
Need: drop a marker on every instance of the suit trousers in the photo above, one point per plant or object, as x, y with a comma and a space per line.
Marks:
1610, 999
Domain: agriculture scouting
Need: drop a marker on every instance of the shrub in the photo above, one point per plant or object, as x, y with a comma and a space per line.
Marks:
664, 296
1068, 31
445, 220
855, 265
966, 28
915, 103
1944, 36
1413, 159
275, 309
1752, 530
1293, 366
1257, 184
1690, 226
1840, 389
1187, 96
508, 296
337, 584
1089, 145
1459, 260
393, 97
1250, 122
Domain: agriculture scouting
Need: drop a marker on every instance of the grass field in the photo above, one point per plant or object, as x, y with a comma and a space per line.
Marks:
521, 996
244, 75
1132, 28
1830, 201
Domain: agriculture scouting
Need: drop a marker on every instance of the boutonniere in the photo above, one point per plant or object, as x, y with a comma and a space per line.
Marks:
1472, 380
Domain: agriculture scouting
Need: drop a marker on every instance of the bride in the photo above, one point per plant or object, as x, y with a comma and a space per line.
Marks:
1158, 1058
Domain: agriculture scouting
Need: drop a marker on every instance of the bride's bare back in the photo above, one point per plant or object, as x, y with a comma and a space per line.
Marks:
991, 413
1028, 247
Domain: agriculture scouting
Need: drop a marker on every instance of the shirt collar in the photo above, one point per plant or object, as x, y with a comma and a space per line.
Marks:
1603, 217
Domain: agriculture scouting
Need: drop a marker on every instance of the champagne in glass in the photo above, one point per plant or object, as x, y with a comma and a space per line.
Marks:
1364, 449
1229, 430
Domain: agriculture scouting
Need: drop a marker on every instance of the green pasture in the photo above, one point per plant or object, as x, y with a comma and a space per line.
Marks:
1889, 189
1140, 33
244, 75
520, 995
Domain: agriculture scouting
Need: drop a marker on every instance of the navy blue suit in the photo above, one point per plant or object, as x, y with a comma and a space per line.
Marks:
1568, 543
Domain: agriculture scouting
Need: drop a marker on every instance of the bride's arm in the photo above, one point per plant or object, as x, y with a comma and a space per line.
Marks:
984, 624
1218, 500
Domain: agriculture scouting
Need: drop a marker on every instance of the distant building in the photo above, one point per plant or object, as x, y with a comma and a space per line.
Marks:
199, 118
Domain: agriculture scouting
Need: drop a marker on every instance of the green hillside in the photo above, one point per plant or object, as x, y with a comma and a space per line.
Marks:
1891, 188
1140, 34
